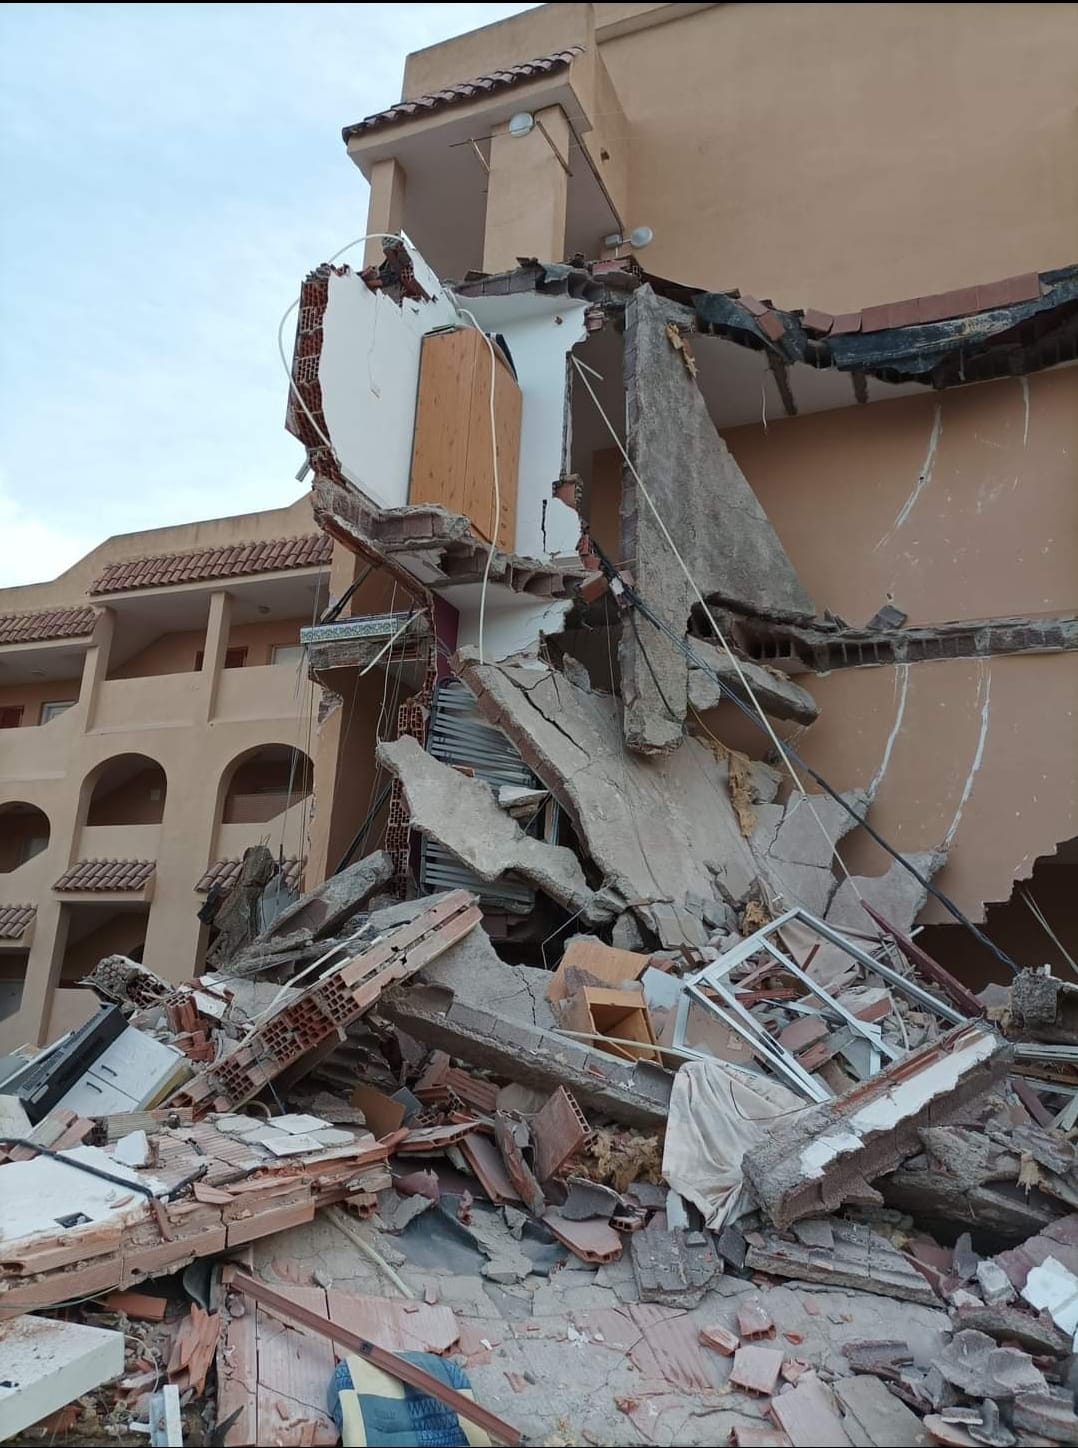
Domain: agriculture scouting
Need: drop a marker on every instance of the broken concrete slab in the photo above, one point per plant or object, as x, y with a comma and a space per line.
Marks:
46, 1364
326, 907
709, 510
776, 693
859, 1258
1009, 1323
236, 919
461, 813
808, 1418
572, 740
1048, 1415
874, 1416
974, 1363
813, 1161
674, 1267
637, 1093
963, 1174
895, 894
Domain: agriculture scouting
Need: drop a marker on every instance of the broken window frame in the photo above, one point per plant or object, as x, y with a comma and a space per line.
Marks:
715, 974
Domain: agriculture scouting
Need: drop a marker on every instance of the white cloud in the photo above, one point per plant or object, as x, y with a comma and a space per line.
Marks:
33, 549
171, 174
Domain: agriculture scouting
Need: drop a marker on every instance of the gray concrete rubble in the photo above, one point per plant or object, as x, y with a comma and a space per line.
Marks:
571, 738
709, 510
462, 814
703, 1155
776, 693
793, 845
827, 1154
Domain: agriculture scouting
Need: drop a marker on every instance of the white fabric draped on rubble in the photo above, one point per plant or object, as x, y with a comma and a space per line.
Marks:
718, 1113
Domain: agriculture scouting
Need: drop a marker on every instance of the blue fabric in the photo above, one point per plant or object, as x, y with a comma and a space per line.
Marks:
416, 1419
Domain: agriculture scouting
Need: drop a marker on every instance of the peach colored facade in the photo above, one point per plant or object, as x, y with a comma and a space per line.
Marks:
165, 755
825, 155
836, 157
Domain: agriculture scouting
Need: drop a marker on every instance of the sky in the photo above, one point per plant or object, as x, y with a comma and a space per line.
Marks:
170, 174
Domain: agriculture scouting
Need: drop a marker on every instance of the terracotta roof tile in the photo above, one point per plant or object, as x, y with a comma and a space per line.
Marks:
270, 556
51, 623
226, 872
941, 306
106, 875
14, 920
465, 90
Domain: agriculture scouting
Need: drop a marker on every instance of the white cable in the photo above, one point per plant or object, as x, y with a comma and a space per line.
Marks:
714, 624
464, 312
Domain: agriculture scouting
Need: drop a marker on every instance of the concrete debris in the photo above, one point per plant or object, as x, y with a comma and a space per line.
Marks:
974, 1363
462, 814
814, 1161
572, 740
858, 1258
671, 1266
776, 693
561, 1143
875, 1416
706, 505
46, 1364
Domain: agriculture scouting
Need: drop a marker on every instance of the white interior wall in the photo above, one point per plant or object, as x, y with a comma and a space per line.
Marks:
369, 374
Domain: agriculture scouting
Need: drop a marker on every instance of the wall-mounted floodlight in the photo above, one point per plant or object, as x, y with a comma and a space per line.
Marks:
521, 124
637, 238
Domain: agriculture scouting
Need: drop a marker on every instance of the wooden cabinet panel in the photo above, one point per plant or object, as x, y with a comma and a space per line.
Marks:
452, 458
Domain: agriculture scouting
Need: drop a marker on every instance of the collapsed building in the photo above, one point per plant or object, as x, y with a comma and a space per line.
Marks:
662, 1013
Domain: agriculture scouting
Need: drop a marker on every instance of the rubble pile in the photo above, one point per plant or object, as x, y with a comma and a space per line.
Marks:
788, 1184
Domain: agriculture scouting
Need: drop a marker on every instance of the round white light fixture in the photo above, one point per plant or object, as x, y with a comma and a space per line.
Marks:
521, 124
640, 236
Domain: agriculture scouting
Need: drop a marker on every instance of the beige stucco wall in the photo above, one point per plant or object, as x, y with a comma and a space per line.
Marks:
32, 693
993, 529
194, 725
981, 749
832, 155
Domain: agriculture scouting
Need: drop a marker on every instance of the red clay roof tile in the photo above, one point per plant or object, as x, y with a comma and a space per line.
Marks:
14, 919
106, 875
51, 623
274, 555
465, 90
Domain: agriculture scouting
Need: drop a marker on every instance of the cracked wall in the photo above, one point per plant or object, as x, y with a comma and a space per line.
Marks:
979, 753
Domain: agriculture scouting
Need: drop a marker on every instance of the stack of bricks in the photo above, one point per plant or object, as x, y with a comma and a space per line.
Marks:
331, 1004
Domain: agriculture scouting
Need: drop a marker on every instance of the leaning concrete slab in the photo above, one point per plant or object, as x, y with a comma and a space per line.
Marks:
635, 1092
691, 842
709, 509
46, 1364
462, 814
814, 1160
776, 694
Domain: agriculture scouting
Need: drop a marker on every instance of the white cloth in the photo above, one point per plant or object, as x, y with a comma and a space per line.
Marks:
717, 1114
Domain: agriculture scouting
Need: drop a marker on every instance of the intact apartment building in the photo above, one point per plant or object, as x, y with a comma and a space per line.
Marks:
155, 721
